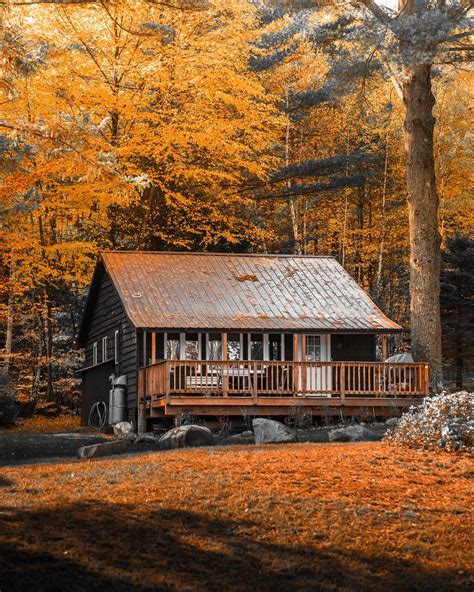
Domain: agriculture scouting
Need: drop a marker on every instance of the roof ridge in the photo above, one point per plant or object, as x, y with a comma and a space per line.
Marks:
218, 254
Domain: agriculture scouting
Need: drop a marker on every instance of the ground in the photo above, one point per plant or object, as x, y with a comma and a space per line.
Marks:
326, 517
41, 438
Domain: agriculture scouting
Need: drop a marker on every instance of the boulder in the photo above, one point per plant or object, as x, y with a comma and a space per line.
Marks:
393, 421
103, 449
186, 436
354, 433
247, 434
269, 431
147, 438
123, 430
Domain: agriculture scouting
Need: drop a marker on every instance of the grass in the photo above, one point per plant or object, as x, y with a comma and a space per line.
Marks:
329, 517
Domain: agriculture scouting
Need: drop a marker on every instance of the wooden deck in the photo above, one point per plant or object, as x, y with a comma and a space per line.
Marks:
205, 387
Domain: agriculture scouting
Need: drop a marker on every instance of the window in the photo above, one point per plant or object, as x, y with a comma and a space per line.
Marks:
214, 349
256, 347
116, 347
313, 348
172, 346
234, 346
274, 346
191, 346
104, 349
94, 354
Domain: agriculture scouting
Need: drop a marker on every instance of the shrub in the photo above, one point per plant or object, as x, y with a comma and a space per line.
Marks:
443, 421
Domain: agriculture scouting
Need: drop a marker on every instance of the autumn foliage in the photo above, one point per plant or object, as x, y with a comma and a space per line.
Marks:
142, 125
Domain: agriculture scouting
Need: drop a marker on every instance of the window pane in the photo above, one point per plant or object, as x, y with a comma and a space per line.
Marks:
233, 346
191, 348
215, 347
313, 348
172, 346
274, 346
256, 347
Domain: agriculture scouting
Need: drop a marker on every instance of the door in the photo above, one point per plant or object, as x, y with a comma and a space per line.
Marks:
318, 376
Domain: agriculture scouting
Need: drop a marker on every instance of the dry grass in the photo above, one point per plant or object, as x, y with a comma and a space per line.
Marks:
299, 517
43, 425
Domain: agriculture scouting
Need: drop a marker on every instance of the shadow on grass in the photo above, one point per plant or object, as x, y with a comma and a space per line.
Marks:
4, 482
101, 547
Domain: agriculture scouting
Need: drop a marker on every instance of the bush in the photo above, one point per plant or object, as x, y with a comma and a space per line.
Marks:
8, 407
443, 421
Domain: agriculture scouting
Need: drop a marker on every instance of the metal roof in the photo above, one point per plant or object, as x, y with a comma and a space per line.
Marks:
167, 290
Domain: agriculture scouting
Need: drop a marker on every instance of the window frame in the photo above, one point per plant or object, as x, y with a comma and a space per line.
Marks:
95, 356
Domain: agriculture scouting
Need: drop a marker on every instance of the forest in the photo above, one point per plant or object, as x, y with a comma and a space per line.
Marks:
244, 126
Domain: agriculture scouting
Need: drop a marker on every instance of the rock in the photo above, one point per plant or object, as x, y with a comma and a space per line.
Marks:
147, 438
241, 439
123, 430
268, 431
103, 449
355, 433
186, 436
392, 422
247, 434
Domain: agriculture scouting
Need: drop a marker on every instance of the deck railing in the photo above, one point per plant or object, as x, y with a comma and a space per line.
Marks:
286, 379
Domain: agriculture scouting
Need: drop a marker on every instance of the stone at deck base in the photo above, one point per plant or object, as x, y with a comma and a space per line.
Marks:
354, 433
103, 449
123, 430
269, 431
186, 436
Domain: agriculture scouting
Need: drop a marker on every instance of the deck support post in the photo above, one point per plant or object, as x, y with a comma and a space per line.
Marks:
141, 420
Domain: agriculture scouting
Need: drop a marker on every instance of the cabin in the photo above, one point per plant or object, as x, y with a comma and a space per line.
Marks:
217, 334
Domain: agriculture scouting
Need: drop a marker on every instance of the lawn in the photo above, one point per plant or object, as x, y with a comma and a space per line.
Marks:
290, 517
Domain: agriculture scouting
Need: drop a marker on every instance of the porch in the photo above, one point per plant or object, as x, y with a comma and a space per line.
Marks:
225, 387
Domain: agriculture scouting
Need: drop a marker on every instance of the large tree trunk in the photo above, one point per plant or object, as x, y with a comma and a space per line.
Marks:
425, 260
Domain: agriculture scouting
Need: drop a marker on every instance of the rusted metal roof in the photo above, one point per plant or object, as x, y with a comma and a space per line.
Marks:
166, 290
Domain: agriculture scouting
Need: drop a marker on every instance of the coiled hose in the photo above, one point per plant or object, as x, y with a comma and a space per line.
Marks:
100, 408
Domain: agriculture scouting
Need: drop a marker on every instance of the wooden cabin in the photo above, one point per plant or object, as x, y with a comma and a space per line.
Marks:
214, 334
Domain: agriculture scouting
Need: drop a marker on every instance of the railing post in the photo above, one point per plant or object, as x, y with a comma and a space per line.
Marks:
427, 380
225, 379
168, 383
343, 383
255, 382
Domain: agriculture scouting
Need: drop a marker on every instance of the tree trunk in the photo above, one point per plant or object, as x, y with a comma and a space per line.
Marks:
425, 259
8, 334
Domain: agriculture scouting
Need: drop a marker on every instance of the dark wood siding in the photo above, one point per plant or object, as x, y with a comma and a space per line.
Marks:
353, 348
107, 317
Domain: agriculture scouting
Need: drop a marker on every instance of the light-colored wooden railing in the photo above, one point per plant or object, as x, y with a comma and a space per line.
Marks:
286, 379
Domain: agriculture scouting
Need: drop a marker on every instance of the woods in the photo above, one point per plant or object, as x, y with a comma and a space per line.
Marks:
282, 127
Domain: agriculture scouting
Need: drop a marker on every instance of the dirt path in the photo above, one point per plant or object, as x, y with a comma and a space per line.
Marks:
19, 448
